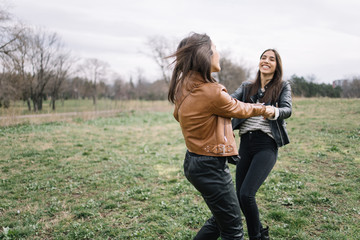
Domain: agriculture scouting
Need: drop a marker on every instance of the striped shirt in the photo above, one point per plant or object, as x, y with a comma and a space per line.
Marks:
256, 123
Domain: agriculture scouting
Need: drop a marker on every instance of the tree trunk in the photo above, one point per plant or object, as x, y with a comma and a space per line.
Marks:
95, 94
40, 101
37, 102
53, 103
28, 104
35, 106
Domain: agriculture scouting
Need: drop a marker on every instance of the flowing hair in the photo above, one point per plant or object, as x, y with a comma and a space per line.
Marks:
193, 54
274, 86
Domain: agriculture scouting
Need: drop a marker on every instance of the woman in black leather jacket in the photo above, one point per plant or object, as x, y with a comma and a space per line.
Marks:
261, 138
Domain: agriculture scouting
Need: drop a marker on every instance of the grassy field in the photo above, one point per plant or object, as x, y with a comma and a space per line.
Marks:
70, 109
121, 177
80, 105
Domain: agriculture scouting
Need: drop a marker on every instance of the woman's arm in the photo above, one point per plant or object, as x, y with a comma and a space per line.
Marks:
238, 94
285, 102
225, 106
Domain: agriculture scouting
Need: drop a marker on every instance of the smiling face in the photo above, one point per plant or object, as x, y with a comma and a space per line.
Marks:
267, 63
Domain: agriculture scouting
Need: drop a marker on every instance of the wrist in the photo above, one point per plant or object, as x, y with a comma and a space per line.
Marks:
276, 114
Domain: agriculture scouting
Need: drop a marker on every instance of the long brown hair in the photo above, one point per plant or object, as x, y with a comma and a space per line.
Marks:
273, 88
192, 54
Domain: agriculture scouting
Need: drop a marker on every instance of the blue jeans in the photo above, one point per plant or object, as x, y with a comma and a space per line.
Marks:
212, 178
258, 153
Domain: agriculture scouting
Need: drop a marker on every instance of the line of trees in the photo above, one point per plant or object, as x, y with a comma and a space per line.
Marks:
302, 87
35, 65
33, 61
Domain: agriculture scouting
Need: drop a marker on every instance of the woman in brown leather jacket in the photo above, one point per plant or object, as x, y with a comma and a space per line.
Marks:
204, 110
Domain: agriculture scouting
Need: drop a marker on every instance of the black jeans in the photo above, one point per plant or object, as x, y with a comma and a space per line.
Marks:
258, 153
212, 178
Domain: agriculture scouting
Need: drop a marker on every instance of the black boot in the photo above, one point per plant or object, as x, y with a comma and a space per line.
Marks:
255, 238
265, 233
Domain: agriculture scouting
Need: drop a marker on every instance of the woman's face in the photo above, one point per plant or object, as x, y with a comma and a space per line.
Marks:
267, 63
215, 59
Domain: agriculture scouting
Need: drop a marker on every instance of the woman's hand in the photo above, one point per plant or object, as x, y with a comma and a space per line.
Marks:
270, 112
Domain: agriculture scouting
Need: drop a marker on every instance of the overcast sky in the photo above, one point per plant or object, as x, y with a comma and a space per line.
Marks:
313, 37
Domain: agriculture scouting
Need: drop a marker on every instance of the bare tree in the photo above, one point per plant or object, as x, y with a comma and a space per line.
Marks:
5, 38
7, 88
356, 86
161, 48
142, 83
62, 69
157, 90
351, 87
43, 53
94, 70
4, 14
9, 33
74, 87
35, 61
17, 61
117, 89
232, 74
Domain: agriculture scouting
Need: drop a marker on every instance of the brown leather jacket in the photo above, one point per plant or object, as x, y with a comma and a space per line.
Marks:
204, 111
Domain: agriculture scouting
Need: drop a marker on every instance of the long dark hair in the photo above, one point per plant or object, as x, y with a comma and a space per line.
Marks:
273, 88
192, 54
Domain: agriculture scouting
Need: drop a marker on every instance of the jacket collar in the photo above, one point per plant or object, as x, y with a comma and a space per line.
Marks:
193, 80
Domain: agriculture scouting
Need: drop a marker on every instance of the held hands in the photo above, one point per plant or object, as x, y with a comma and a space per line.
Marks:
269, 112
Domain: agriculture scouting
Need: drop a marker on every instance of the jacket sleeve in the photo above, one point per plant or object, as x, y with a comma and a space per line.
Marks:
238, 94
285, 102
225, 106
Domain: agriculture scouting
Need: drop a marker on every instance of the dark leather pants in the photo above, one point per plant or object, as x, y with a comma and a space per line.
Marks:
212, 178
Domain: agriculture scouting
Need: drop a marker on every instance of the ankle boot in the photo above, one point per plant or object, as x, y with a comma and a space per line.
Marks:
265, 233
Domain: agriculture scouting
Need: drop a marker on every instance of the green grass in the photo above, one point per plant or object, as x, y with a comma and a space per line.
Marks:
121, 177
80, 105
74, 109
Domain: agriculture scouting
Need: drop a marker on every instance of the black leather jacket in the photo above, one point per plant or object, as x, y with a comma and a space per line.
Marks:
284, 103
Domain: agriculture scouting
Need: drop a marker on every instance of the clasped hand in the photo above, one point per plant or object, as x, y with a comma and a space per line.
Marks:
269, 112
